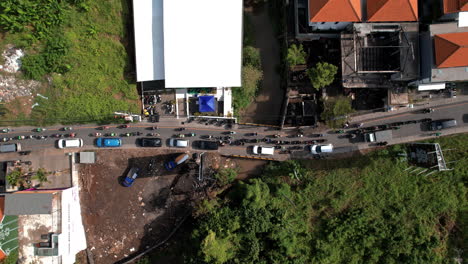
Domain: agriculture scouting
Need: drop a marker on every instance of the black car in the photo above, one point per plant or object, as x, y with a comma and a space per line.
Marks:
441, 124
150, 142
205, 144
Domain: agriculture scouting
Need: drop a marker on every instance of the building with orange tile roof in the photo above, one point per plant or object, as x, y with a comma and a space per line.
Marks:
335, 10
453, 6
392, 10
444, 53
451, 50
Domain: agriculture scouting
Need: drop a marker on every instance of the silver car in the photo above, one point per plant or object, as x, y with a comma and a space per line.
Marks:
178, 143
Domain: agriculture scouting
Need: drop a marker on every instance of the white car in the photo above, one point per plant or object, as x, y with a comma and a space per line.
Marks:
259, 150
178, 143
317, 149
70, 143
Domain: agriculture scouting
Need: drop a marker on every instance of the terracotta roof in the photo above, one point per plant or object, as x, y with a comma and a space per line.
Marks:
453, 6
392, 10
451, 50
335, 10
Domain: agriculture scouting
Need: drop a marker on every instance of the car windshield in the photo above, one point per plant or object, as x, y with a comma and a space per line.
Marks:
318, 149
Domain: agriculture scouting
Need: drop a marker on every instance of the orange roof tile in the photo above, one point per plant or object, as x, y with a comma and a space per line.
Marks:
453, 6
392, 10
451, 50
335, 10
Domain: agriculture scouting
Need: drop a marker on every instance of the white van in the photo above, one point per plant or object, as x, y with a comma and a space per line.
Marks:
70, 143
259, 150
317, 149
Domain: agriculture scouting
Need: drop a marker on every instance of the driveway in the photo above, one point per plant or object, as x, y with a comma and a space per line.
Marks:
267, 105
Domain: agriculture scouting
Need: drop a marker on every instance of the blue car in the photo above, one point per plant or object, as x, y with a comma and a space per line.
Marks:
108, 142
131, 176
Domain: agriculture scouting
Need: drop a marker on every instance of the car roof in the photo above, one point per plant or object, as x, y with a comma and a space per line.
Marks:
111, 141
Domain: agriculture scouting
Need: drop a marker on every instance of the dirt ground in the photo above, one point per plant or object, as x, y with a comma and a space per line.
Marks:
121, 221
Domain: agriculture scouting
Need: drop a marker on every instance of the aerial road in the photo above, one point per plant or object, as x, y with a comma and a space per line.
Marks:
291, 139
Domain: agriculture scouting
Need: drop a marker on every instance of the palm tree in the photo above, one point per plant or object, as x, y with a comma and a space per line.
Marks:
296, 55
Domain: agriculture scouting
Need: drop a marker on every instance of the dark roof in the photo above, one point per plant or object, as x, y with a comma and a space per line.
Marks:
28, 203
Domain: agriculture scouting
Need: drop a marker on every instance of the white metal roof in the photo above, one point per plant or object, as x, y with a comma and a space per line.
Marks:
431, 86
463, 19
149, 39
202, 43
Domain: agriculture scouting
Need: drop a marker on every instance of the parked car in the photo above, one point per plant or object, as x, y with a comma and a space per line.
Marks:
170, 165
178, 143
131, 176
442, 124
5, 148
108, 142
205, 144
259, 150
70, 143
318, 149
150, 142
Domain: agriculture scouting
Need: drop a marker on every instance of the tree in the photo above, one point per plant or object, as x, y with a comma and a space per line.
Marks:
296, 55
335, 111
217, 250
41, 175
322, 74
225, 176
14, 177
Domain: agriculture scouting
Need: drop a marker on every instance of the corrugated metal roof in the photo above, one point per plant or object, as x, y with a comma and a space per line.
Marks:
28, 203
335, 10
392, 10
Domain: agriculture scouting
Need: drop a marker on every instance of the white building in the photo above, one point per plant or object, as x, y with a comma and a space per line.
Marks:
189, 44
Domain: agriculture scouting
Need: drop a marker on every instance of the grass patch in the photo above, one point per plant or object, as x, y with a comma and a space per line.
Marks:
92, 85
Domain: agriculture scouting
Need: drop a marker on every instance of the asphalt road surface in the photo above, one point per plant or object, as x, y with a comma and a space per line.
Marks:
168, 128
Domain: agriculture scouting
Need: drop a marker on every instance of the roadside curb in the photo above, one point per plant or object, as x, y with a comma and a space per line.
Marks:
250, 157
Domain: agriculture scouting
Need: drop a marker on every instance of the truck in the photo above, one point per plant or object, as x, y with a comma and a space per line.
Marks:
171, 164
378, 136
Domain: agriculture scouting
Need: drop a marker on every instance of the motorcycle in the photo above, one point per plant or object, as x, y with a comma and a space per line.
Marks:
97, 134
39, 129
153, 134
24, 153
67, 128
5, 139
383, 143
111, 135
428, 110
57, 135
71, 135
5, 130
191, 134
104, 127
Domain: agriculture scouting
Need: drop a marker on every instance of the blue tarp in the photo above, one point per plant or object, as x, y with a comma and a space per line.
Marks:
206, 104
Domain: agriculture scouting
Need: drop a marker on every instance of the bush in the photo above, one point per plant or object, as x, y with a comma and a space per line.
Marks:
322, 74
34, 66
244, 95
251, 57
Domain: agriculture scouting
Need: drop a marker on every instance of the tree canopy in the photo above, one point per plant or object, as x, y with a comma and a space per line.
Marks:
322, 74
367, 209
335, 111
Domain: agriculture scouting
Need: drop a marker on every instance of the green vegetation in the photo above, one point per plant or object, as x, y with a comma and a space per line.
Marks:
225, 176
12, 258
14, 177
322, 74
80, 44
251, 71
41, 175
335, 111
364, 209
296, 55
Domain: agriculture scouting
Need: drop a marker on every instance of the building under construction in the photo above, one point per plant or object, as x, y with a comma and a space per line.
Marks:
379, 55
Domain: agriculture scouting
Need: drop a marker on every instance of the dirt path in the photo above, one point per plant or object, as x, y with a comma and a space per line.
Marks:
266, 107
